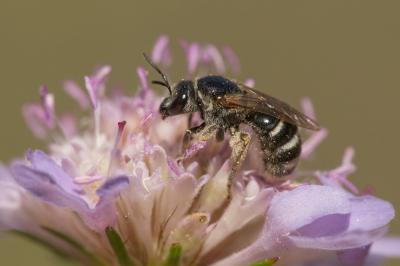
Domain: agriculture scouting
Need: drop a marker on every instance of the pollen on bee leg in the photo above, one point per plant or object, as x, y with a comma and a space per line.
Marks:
239, 143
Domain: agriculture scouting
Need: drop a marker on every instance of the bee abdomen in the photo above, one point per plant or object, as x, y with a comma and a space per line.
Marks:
280, 142
282, 161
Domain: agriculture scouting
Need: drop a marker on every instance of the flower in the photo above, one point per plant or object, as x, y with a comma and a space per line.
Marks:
109, 190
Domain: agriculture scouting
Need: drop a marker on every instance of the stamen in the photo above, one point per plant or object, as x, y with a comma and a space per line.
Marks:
91, 91
341, 173
115, 151
250, 83
143, 78
67, 123
308, 107
95, 87
211, 54
47, 100
146, 119
35, 119
161, 53
232, 58
311, 144
121, 127
76, 93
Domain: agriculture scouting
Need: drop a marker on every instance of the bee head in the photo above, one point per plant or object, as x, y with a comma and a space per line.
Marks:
180, 101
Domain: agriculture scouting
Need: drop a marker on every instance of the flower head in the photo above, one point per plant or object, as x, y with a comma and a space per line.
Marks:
113, 193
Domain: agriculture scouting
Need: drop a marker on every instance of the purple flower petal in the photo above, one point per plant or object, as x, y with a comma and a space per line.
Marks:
76, 93
347, 240
42, 162
386, 247
105, 214
368, 219
112, 187
44, 186
291, 210
369, 213
69, 167
331, 224
353, 257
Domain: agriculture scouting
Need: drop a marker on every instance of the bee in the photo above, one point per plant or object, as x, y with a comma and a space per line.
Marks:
224, 104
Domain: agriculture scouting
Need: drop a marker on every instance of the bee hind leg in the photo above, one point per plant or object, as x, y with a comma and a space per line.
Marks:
239, 143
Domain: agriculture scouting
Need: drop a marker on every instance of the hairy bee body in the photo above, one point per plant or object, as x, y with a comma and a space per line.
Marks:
225, 104
280, 141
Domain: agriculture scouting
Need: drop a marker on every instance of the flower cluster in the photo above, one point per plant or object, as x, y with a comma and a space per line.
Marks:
109, 190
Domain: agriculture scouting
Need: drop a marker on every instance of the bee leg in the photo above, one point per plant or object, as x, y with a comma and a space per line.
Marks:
189, 134
207, 132
220, 134
190, 120
239, 143
201, 132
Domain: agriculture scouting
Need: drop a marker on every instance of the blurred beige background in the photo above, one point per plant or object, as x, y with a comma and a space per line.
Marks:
344, 54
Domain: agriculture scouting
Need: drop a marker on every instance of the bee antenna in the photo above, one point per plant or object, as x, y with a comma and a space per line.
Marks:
165, 82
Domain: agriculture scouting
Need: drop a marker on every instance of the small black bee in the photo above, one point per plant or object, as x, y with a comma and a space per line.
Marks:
225, 104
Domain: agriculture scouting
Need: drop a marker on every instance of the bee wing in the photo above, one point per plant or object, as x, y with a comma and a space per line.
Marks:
257, 101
